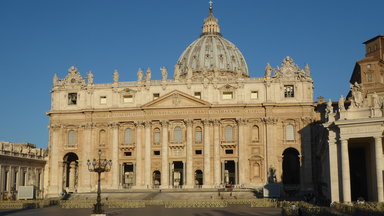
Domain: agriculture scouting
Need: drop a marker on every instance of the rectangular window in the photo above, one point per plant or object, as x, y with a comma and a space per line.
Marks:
72, 98
198, 152
227, 95
156, 152
198, 95
289, 91
103, 100
127, 98
254, 94
370, 77
155, 96
229, 151
128, 153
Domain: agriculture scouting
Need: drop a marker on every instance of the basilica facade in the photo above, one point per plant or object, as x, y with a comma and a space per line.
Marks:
209, 126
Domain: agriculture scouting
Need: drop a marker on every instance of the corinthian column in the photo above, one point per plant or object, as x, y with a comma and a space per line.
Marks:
216, 156
164, 156
379, 168
345, 171
207, 154
189, 155
115, 155
242, 152
85, 175
139, 159
147, 155
53, 188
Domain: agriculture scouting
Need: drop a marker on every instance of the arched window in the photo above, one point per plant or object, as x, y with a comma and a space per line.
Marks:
71, 138
128, 136
102, 137
228, 133
255, 133
198, 135
289, 132
156, 135
177, 134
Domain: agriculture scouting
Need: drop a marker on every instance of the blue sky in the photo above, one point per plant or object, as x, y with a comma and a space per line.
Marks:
42, 37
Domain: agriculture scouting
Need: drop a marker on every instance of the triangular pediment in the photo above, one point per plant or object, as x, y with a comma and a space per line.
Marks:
176, 99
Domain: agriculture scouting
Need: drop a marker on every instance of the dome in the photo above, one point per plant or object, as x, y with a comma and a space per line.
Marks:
211, 56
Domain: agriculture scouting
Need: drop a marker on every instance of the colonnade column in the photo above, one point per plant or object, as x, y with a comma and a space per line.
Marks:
139, 153
345, 171
115, 155
379, 168
333, 167
190, 179
217, 164
242, 152
147, 155
164, 156
207, 154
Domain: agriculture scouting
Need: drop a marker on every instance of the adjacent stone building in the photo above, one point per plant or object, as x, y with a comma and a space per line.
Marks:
209, 126
350, 149
21, 164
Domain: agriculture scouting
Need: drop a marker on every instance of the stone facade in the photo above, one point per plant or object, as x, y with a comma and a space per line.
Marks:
351, 146
21, 164
211, 125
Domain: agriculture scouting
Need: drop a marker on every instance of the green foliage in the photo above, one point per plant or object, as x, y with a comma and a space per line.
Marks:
361, 209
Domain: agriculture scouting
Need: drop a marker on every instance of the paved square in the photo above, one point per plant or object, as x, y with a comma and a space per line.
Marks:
152, 210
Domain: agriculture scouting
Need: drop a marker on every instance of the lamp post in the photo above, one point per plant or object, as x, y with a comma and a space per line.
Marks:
99, 166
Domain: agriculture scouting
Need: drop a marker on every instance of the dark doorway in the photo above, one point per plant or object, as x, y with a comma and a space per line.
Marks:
128, 175
178, 174
156, 178
291, 167
198, 177
230, 172
358, 173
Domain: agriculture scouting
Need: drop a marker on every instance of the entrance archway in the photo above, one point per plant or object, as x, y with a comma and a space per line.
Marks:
70, 174
291, 167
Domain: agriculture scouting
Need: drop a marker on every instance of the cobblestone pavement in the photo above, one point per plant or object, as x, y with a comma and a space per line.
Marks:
152, 210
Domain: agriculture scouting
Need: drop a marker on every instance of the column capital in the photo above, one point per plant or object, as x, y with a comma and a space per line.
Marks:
207, 122
114, 125
139, 124
343, 139
164, 123
241, 121
216, 122
270, 120
378, 137
147, 124
189, 122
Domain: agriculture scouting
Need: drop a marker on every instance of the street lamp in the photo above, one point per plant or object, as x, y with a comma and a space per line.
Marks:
99, 166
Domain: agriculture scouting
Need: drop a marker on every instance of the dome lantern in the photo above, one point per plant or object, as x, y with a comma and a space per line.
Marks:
211, 56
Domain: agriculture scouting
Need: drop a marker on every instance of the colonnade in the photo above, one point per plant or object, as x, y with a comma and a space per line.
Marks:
340, 179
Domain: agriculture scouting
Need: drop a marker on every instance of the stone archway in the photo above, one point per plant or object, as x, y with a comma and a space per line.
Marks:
70, 171
291, 167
